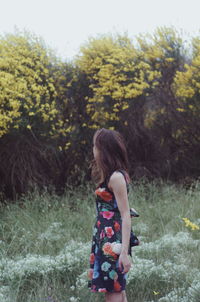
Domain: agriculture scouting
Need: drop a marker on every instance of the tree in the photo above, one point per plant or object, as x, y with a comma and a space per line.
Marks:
187, 90
28, 113
117, 76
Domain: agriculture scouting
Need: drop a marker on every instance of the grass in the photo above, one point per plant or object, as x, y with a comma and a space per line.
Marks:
45, 244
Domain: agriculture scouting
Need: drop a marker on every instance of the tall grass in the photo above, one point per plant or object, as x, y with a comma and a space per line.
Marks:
45, 242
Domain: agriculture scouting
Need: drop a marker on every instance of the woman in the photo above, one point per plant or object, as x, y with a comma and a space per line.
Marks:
109, 258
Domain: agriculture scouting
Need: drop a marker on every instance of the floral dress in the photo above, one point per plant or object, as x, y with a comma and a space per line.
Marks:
104, 274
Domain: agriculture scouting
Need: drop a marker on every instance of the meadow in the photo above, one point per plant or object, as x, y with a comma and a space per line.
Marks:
45, 242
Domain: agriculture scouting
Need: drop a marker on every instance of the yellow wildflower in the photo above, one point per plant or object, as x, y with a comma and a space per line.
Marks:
67, 145
180, 109
125, 106
190, 224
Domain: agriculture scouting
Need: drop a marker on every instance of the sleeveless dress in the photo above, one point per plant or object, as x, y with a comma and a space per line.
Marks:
104, 274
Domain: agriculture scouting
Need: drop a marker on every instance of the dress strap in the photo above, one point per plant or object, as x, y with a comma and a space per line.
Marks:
123, 172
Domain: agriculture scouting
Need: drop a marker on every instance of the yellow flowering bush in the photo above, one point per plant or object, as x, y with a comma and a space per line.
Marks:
187, 82
162, 51
28, 95
50, 109
186, 88
33, 127
117, 74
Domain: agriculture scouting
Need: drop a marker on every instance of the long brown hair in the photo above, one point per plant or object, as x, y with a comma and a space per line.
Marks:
112, 155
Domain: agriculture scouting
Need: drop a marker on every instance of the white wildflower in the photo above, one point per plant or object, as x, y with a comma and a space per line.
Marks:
5, 294
73, 299
140, 228
73, 254
81, 280
53, 232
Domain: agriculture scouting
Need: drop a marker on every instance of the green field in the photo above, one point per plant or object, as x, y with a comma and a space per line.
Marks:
45, 244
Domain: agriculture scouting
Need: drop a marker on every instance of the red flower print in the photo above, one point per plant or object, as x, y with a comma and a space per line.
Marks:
92, 257
98, 223
107, 214
116, 226
117, 286
102, 234
103, 194
90, 273
93, 288
109, 232
107, 249
102, 290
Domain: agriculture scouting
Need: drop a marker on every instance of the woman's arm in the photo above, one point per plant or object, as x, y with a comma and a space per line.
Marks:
118, 186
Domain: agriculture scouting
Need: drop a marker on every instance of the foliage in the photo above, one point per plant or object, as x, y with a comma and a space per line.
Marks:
186, 87
28, 94
117, 75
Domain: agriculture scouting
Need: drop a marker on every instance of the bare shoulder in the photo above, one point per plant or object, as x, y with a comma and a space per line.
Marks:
116, 176
116, 180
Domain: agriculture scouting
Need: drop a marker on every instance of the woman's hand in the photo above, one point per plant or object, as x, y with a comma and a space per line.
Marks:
124, 262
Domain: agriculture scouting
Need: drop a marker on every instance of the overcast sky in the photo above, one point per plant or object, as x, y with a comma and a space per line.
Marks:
66, 24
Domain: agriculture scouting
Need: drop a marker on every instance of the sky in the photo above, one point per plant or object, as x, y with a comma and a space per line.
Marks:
65, 25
